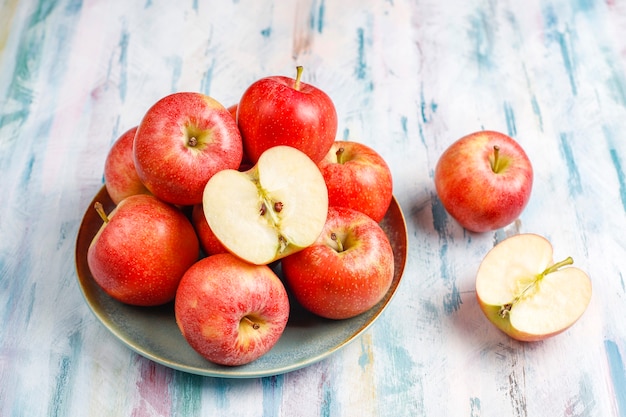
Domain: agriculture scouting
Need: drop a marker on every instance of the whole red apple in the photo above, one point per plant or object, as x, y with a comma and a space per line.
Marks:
357, 177
229, 311
209, 243
281, 110
120, 176
484, 180
347, 271
142, 250
183, 140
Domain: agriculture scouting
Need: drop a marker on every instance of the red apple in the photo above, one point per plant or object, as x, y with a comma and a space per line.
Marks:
357, 177
183, 140
229, 311
484, 180
209, 243
285, 111
120, 176
275, 208
142, 250
347, 271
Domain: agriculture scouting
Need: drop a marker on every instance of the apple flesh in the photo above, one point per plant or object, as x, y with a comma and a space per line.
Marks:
142, 251
484, 180
229, 311
347, 271
357, 177
183, 140
281, 110
525, 294
276, 208
120, 176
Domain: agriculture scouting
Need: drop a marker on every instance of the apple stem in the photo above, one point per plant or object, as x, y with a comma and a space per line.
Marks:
193, 142
254, 325
334, 237
506, 308
495, 162
339, 155
100, 210
299, 70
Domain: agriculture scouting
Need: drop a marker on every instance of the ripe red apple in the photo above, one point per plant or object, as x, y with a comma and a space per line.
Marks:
525, 294
357, 177
229, 311
276, 208
183, 140
120, 176
281, 110
209, 243
142, 251
347, 271
484, 180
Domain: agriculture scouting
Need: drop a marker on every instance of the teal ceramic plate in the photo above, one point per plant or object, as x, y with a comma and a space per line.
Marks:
153, 333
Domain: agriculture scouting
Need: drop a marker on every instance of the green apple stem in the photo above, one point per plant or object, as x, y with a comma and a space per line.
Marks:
100, 210
299, 70
254, 325
506, 308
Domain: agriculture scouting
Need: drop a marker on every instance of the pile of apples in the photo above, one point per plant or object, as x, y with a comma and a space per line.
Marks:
210, 200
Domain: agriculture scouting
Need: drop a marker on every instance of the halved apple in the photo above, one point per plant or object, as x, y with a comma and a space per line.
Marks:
276, 208
525, 294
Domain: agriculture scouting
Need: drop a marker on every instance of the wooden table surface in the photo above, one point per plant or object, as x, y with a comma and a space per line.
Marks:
408, 78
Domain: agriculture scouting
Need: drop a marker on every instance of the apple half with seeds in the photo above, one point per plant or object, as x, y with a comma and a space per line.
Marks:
274, 209
525, 294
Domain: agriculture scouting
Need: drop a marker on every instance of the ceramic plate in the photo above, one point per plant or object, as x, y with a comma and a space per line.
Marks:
152, 332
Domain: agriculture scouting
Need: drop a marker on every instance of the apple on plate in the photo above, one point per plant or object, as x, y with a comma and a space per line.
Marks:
120, 176
142, 250
183, 140
275, 208
357, 177
525, 294
209, 243
347, 271
231, 312
281, 110
484, 180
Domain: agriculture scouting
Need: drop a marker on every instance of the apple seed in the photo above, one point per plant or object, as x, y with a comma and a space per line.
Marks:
263, 209
506, 308
278, 207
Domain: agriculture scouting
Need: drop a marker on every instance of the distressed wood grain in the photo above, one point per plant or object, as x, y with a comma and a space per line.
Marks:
408, 77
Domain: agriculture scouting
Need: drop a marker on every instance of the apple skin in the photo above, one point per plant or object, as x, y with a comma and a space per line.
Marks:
357, 177
480, 199
183, 140
120, 176
275, 111
340, 284
139, 256
209, 243
219, 302
513, 264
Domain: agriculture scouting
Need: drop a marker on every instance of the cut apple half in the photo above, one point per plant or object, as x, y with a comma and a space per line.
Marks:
275, 208
525, 294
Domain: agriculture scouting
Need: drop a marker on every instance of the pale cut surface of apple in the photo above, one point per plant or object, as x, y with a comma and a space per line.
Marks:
525, 294
276, 208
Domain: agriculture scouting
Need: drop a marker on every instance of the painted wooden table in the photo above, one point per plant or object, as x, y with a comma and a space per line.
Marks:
407, 78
